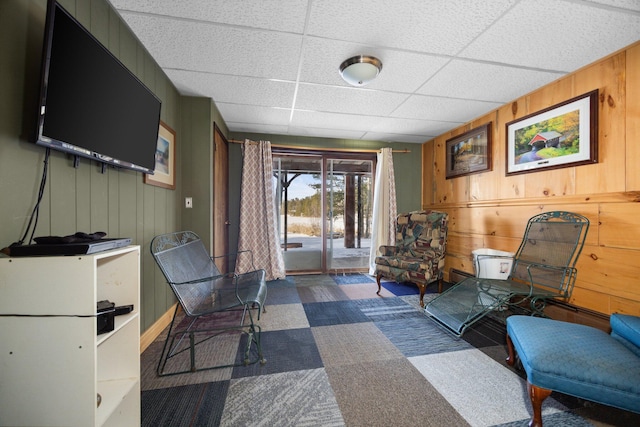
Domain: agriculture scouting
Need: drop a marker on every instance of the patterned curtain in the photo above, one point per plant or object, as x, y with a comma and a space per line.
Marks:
258, 229
384, 207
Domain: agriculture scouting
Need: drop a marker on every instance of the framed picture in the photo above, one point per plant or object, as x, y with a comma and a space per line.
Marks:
470, 152
563, 135
165, 169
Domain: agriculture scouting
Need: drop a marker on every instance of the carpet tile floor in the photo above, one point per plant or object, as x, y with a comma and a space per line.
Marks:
340, 355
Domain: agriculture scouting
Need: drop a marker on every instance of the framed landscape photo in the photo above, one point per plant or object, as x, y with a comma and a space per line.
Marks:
469, 153
165, 168
563, 135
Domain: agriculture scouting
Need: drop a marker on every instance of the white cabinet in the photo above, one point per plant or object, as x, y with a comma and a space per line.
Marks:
53, 364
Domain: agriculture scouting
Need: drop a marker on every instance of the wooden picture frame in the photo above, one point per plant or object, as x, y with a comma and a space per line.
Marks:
165, 170
563, 135
469, 153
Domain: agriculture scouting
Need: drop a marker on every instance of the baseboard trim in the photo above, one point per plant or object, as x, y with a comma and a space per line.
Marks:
150, 335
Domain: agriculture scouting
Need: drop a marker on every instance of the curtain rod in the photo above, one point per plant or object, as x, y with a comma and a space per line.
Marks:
354, 150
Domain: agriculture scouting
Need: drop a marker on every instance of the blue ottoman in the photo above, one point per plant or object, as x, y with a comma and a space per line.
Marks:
578, 360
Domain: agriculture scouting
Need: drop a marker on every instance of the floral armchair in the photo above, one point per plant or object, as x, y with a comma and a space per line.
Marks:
418, 256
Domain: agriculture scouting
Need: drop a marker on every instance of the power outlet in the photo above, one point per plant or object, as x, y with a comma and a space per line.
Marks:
188, 202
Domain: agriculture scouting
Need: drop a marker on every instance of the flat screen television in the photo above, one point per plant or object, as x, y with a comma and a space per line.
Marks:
90, 104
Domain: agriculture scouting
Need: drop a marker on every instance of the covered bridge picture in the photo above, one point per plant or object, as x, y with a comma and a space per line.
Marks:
559, 136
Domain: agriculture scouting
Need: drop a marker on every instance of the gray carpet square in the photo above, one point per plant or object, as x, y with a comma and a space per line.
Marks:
377, 309
312, 280
352, 279
333, 313
281, 295
353, 343
299, 398
419, 335
564, 419
321, 294
180, 406
288, 282
286, 350
389, 393
219, 350
283, 316
484, 392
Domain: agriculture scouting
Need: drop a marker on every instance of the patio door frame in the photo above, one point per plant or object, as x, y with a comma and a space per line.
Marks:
326, 155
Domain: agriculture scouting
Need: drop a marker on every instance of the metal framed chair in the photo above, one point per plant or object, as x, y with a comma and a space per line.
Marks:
203, 291
543, 268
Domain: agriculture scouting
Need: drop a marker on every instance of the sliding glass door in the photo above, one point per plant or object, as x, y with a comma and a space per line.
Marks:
349, 199
324, 210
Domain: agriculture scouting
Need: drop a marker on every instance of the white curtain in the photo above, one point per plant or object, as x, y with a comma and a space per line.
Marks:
258, 229
384, 207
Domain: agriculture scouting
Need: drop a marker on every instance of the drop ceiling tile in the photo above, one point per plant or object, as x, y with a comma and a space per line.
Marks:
234, 89
325, 133
279, 15
402, 71
303, 118
257, 128
443, 109
624, 4
487, 82
179, 44
426, 128
395, 137
418, 25
555, 35
347, 100
251, 114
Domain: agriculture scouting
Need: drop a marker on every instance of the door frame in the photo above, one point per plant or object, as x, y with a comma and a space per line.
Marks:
324, 155
220, 197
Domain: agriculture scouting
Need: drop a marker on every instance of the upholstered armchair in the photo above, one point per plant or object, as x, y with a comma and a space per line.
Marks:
418, 256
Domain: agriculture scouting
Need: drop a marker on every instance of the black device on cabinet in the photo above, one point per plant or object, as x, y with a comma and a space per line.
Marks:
90, 104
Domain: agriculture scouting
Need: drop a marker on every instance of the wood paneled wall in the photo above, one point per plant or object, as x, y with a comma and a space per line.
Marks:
491, 209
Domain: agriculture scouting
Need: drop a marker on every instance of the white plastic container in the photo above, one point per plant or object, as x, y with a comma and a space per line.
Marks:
492, 263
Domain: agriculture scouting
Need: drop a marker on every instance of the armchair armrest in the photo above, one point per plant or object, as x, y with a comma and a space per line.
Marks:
388, 250
204, 279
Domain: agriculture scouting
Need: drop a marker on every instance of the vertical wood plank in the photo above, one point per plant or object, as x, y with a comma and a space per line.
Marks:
632, 123
608, 175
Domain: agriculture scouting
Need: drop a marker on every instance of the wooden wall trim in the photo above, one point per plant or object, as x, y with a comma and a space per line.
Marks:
620, 197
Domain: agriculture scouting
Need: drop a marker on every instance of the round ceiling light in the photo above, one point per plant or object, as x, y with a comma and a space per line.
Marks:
360, 70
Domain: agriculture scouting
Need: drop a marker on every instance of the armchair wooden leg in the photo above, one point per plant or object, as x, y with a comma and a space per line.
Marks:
537, 396
423, 289
511, 358
378, 277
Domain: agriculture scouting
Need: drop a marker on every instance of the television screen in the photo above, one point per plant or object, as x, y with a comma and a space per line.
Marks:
91, 105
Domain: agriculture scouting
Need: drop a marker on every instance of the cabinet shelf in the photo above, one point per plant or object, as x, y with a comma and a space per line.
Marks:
112, 394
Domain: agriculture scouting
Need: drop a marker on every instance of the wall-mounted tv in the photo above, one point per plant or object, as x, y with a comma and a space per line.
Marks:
91, 105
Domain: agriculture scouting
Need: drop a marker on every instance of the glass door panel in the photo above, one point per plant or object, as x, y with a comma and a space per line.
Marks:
349, 199
324, 205
298, 181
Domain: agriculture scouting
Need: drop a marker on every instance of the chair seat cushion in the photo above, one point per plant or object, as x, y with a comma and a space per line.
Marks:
404, 262
577, 360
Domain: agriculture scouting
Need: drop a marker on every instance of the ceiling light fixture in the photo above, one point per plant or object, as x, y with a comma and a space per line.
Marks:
360, 70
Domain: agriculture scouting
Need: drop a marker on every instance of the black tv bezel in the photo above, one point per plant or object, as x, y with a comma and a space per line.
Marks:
64, 146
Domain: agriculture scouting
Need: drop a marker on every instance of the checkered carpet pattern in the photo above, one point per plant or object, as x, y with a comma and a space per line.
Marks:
340, 355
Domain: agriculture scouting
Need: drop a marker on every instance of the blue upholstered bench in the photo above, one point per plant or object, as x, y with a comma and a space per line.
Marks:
578, 360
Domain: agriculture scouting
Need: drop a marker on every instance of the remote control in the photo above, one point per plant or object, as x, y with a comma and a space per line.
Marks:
123, 309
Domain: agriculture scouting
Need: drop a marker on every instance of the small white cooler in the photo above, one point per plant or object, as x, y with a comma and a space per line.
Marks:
492, 263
